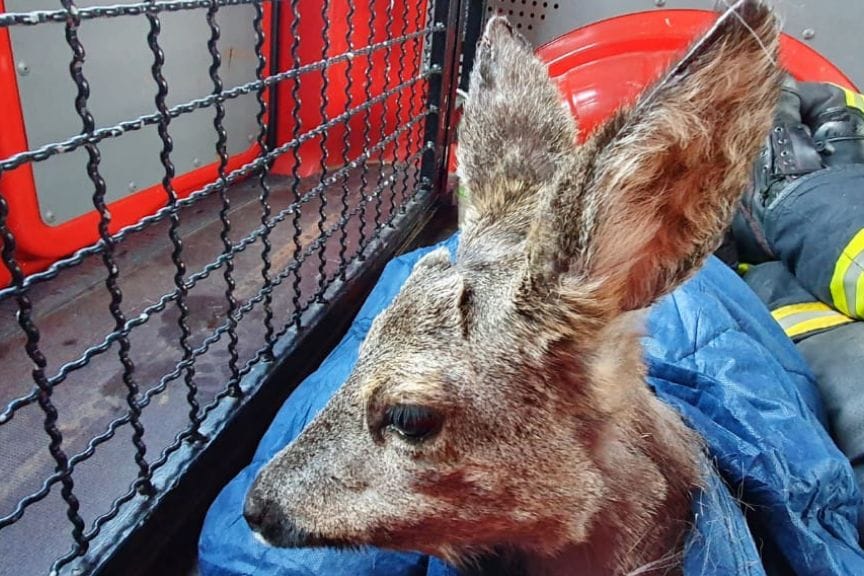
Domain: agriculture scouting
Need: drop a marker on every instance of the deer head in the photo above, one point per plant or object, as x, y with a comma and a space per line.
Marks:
500, 401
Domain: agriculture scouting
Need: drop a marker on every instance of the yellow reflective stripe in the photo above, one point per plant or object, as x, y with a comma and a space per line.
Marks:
816, 324
799, 319
859, 298
853, 99
786, 311
847, 290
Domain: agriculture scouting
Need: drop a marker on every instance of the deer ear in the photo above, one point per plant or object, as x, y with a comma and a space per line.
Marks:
648, 199
514, 129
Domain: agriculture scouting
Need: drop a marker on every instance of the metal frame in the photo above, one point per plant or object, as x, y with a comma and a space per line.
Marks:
444, 61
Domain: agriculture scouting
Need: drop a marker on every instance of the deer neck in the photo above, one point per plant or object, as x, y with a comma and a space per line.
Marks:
649, 460
646, 516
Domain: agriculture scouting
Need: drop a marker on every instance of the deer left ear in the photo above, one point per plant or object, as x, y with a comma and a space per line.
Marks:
515, 129
655, 188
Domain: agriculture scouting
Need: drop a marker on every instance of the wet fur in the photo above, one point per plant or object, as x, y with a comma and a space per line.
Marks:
553, 450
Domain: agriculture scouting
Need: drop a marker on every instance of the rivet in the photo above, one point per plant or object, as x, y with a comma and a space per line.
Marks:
23, 68
50, 217
133, 186
809, 33
659, 3
196, 162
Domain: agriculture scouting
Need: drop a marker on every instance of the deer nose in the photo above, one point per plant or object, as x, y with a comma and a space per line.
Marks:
255, 510
262, 516
271, 526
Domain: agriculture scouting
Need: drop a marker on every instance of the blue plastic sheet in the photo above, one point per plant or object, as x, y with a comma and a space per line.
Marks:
717, 356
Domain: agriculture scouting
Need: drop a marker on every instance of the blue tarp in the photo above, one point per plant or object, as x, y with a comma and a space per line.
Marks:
716, 355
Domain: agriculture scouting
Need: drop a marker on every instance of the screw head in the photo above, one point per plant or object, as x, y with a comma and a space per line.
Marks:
23, 68
133, 186
659, 3
196, 162
50, 217
809, 33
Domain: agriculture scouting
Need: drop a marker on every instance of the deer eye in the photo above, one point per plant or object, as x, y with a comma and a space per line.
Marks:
412, 422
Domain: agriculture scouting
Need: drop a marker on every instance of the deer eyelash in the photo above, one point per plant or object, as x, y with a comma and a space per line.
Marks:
413, 422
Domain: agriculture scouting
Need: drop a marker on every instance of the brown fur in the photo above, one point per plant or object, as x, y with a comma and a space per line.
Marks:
551, 446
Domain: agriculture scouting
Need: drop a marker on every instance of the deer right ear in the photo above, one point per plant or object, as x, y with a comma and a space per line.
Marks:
515, 129
651, 193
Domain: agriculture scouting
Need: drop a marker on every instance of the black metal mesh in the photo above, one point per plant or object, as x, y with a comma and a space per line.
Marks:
124, 358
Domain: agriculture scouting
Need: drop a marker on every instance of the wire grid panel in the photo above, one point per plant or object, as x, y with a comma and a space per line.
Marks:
46, 92
118, 357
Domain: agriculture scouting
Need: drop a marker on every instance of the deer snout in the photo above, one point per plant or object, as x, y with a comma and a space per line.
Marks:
269, 524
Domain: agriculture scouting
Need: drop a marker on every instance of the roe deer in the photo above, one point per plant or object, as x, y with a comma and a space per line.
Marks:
499, 402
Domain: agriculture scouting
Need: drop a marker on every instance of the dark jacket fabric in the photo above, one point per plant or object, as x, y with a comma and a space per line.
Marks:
832, 344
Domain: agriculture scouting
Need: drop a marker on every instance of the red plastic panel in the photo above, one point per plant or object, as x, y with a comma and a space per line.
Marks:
607, 64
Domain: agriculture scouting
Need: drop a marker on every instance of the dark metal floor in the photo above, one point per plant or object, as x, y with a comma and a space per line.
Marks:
72, 313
